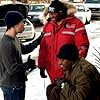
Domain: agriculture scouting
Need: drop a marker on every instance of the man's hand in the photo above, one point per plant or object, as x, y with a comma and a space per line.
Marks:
42, 73
31, 63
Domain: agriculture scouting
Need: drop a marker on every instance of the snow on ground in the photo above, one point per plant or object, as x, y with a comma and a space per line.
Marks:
94, 44
36, 86
93, 31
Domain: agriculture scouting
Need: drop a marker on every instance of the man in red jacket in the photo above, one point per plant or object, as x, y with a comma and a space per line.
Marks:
61, 29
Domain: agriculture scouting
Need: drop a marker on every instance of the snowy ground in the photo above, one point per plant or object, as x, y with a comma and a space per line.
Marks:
36, 86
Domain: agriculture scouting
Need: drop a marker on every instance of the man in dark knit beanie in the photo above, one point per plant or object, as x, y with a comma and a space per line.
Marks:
13, 72
80, 81
58, 7
69, 52
12, 18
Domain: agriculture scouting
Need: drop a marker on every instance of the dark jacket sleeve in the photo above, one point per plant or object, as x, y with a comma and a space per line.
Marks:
31, 46
84, 83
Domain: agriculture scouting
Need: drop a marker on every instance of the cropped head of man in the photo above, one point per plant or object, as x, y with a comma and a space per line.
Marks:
16, 20
57, 10
67, 55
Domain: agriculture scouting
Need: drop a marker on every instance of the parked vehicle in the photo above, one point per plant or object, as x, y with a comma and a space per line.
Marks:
29, 32
35, 13
83, 13
94, 6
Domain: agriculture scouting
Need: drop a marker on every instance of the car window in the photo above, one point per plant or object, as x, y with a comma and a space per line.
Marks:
36, 8
92, 1
80, 8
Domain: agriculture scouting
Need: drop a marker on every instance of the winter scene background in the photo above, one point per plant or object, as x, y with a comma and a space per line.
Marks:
36, 86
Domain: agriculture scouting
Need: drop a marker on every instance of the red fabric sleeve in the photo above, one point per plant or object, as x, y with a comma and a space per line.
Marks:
42, 54
81, 39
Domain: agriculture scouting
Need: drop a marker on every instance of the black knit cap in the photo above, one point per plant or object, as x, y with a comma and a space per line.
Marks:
12, 18
57, 6
69, 52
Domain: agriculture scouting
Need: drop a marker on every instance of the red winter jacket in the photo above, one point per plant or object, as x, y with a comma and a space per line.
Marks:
71, 30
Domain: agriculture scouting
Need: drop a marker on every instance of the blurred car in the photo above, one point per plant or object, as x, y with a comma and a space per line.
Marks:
36, 14
83, 13
29, 32
94, 6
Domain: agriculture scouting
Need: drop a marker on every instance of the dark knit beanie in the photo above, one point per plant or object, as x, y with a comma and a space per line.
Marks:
57, 6
12, 18
69, 52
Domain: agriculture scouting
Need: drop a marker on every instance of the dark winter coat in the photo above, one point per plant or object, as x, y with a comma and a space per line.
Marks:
83, 82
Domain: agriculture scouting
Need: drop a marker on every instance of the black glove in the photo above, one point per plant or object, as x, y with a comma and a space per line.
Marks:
42, 73
30, 63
